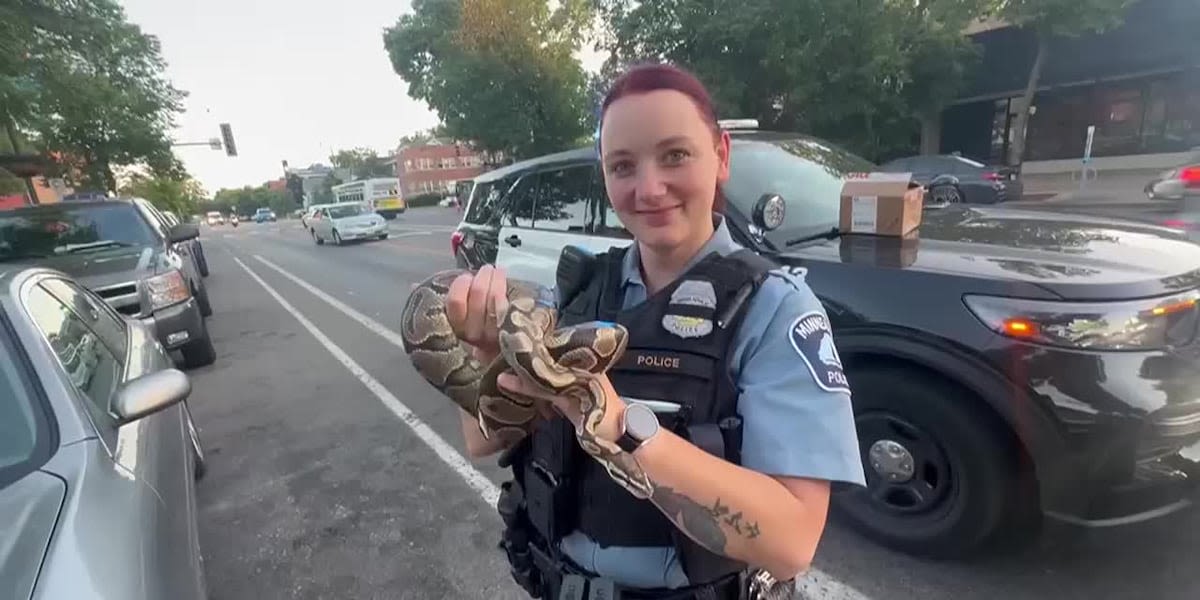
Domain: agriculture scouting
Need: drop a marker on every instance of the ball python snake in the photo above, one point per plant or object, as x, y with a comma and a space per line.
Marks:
562, 361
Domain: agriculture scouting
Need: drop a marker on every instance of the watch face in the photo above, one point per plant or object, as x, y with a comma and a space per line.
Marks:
640, 422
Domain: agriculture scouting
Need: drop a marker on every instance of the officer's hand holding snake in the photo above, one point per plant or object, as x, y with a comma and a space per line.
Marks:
567, 363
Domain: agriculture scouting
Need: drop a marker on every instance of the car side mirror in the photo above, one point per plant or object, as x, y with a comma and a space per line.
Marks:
769, 212
150, 393
183, 232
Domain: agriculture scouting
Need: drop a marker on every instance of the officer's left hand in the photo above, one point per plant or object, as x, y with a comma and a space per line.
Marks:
569, 407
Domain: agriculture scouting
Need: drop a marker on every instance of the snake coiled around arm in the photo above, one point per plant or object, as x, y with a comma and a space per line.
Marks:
562, 361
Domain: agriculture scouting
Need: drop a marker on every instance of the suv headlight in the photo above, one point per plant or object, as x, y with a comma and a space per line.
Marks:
167, 289
1129, 325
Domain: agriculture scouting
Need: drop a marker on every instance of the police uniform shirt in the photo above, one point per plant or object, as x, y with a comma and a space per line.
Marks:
792, 424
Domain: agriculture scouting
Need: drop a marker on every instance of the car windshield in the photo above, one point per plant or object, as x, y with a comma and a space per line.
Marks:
18, 428
345, 210
60, 229
807, 173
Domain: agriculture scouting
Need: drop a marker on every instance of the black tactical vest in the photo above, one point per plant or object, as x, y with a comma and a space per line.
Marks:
679, 340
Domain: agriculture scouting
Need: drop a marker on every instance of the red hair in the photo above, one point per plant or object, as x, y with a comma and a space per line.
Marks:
645, 78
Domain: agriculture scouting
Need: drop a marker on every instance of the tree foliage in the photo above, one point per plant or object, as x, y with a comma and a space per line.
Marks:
180, 195
500, 73
362, 163
246, 200
89, 86
859, 73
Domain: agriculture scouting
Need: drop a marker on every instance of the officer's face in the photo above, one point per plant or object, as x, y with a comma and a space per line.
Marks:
662, 164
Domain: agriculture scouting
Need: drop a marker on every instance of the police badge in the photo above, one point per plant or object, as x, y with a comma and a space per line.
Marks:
690, 310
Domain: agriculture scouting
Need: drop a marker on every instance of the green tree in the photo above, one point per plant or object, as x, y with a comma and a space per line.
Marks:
362, 163
88, 86
423, 136
500, 73
1048, 19
246, 200
859, 73
180, 195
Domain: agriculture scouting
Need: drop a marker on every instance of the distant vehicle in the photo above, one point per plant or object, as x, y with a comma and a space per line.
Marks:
1178, 183
214, 218
381, 194
347, 221
954, 178
98, 451
264, 214
128, 256
311, 214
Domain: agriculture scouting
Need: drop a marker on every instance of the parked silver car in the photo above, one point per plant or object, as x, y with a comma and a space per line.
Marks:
98, 451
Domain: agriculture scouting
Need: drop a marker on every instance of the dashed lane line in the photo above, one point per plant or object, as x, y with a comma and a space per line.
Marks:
476, 480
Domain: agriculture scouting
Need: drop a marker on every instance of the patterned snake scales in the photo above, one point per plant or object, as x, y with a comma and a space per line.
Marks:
561, 361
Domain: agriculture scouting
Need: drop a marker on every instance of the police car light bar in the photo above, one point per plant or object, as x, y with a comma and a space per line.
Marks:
738, 123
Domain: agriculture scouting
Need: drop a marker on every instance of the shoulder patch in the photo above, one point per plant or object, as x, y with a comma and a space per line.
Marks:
812, 338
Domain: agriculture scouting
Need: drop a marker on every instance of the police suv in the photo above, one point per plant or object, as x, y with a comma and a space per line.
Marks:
1006, 366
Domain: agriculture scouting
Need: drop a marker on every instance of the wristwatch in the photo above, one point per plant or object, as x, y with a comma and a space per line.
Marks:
638, 425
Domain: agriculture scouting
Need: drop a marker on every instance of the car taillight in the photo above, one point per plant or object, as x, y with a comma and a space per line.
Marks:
1190, 176
993, 176
456, 239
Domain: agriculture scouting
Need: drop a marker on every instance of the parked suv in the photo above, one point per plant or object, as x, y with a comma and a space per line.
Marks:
118, 249
1006, 366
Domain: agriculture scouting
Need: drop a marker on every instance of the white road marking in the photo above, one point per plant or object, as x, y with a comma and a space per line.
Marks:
476, 480
815, 585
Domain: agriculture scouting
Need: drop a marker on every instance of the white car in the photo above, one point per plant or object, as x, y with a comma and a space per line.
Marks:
347, 221
215, 218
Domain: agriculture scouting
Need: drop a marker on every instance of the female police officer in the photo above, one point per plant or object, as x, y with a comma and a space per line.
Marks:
760, 504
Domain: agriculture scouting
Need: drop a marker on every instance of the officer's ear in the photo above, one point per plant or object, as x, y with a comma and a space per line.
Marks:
575, 268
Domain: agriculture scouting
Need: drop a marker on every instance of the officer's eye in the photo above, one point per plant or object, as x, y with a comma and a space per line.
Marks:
621, 168
676, 156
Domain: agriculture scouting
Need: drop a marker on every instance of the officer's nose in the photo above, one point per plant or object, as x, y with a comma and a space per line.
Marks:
650, 185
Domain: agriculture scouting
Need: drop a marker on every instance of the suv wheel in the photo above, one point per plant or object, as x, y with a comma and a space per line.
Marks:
942, 473
199, 352
337, 239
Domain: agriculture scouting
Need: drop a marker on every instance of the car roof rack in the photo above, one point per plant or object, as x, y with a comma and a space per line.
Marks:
738, 123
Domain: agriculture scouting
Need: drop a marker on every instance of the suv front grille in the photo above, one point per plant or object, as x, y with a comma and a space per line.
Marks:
123, 297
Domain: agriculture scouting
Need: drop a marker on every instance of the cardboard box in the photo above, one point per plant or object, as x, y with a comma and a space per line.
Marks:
880, 204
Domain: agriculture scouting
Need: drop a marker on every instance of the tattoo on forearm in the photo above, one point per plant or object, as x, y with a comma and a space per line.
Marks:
703, 522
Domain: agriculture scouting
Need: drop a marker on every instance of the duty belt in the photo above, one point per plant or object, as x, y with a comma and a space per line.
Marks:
564, 580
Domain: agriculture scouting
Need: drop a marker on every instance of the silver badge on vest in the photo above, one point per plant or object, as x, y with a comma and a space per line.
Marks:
691, 293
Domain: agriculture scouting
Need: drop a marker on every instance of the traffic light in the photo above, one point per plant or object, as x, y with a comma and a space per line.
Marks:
227, 138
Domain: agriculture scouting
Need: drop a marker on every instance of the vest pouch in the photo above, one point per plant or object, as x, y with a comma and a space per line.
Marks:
699, 564
547, 476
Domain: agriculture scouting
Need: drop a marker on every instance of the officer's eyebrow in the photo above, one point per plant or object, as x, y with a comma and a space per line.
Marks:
670, 141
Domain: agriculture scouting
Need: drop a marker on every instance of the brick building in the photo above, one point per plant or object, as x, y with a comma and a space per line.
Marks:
436, 166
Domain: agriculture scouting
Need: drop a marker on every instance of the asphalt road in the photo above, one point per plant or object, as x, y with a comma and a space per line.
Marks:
335, 471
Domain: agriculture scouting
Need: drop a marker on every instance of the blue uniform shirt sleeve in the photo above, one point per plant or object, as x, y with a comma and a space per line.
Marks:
792, 424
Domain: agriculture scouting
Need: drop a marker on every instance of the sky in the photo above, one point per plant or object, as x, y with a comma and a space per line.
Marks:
295, 79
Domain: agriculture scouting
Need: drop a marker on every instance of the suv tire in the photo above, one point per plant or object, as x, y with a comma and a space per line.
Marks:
199, 352
959, 492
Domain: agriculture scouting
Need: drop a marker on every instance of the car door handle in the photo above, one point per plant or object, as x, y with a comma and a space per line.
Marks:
513, 240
